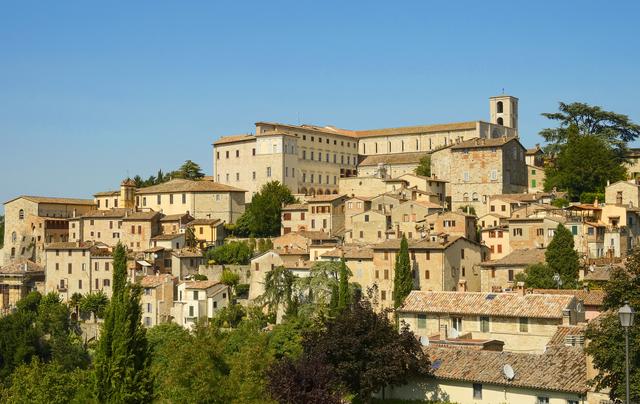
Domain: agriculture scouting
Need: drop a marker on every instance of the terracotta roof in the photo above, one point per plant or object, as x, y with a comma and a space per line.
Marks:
146, 215
396, 158
296, 206
200, 284
153, 281
599, 273
55, 201
153, 249
559, 369
478, 143
351, 252
315, 235
173, 218
160, 237
107, 193
293, 250
113, 213
422, 177
417, 129
589, 297
186, 253
234, 139
329, 130
534, 150
564, 331
203, 222
69, 245
425, 243
426, 204
21, 266
182, 185
490, 304
324, 198
521, 257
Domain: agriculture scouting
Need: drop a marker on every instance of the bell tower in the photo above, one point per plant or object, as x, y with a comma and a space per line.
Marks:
127, 194
503, 110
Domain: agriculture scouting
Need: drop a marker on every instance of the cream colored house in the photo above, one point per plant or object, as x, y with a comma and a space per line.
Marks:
369, 227
326, 213
499, 274
479, 168
408, 218
433, 185
17, 280
78, 268
497, 240
198, 300
139, 229
311, 159
452, 223
156, 299
294, 217
260, 266
524, 322
535, 180
623, 193
438, 263
492, 220
185, 262
359, 260
174, 224
32, 221
532, 232
354, 206
208, 232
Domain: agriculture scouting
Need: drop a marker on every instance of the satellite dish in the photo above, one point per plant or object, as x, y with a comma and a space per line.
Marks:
424, 341
155, 256
508, 372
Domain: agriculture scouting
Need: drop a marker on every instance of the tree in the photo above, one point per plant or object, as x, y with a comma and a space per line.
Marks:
320, 287
424, 166
190, 171
562, 258
538, 276
263, 214
234, 252
365, 350
584, 164
304, 380
613, 129
94, 304
231, 279
74, 302
606, 336
403, 276
344, 297
122, 359
278, 289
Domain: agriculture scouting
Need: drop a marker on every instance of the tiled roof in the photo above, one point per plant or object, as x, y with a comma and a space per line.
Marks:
353, 252
161, 237
69, 245
152, 281
146, 215
521, 257
395, 158
113, 213
394, 244
182, 185
296, 206
422, 177
324, 198
564, 331
200, 284
560, 369
315, 235
55, 201
478, 143
447, 127
107, 193
533, 151
20, 266
589, 297
234, 139
599, 273
176, 217
427, 204
522, 197
203, 222
329, 130
186, 253
490, 304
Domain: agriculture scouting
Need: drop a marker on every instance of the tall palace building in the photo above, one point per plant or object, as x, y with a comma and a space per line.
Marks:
311, 159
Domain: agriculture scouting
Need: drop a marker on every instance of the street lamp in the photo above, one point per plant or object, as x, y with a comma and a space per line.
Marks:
626, 315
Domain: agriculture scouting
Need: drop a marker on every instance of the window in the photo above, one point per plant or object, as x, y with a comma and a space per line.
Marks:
237, 153
542, 400
484, 324
69, 268
574, 229
383, 295
477, 391
366, 218
268, 171
422, 321
237, 176
499, 107
386, 274
517, 232
171, 199
426, 274
106, 283
191, 307
524, 324
533, 183
456, 323
79, 283
540, 232
500, 121
21, 214
510, 273
462, 253
466, 176
184, 198
253, 175
148, 307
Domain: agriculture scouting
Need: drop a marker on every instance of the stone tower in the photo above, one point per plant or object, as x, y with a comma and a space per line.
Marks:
503, 110
127, 198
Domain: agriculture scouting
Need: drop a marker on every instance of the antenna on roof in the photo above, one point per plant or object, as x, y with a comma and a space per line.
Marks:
508, 372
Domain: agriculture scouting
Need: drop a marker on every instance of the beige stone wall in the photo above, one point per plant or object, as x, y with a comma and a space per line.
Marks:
414, 142
77, 271
107, 202
260, 266
362, 186
437, 188
136, 235
533, 233
622, 193
104, 230
392, 170
384, 203
497, 241
491, 220
353, 207
499, 278
368, 227
452, 223
227, 206
535, 179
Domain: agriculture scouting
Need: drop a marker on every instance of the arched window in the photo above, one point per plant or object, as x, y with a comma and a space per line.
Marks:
465, 197
14, 237
320, 192
500, 121
303, 190
13, 252
335, 191
474, 197
21, 214
499, 107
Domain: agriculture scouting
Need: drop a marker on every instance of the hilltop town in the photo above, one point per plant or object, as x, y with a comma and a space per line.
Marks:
463, 205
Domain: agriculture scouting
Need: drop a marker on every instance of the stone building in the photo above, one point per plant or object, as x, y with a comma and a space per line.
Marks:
368, 227
311, 159
453, 224
32, 221
17, 280
499, 274
156, 299
478, 168
198, 300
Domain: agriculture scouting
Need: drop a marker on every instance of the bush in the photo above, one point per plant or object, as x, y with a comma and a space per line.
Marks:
590, 197
242, 290
231, 253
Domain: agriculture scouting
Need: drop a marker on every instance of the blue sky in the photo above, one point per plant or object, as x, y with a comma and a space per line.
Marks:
91, 92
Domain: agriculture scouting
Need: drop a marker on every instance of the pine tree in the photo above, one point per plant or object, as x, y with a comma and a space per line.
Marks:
344, 298
403, 278
562, 258
122, 358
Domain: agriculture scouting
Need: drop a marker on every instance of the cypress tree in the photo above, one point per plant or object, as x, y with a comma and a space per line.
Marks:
344, 298
122, 359
402, 278
562, 258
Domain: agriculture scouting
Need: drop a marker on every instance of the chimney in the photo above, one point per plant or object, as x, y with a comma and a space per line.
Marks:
595, 202
397, 231
566, 317
520, 288
462, 285
74, 212
443, 332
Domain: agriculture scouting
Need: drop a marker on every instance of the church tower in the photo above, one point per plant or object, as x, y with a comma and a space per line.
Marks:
127, 194
503, 110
